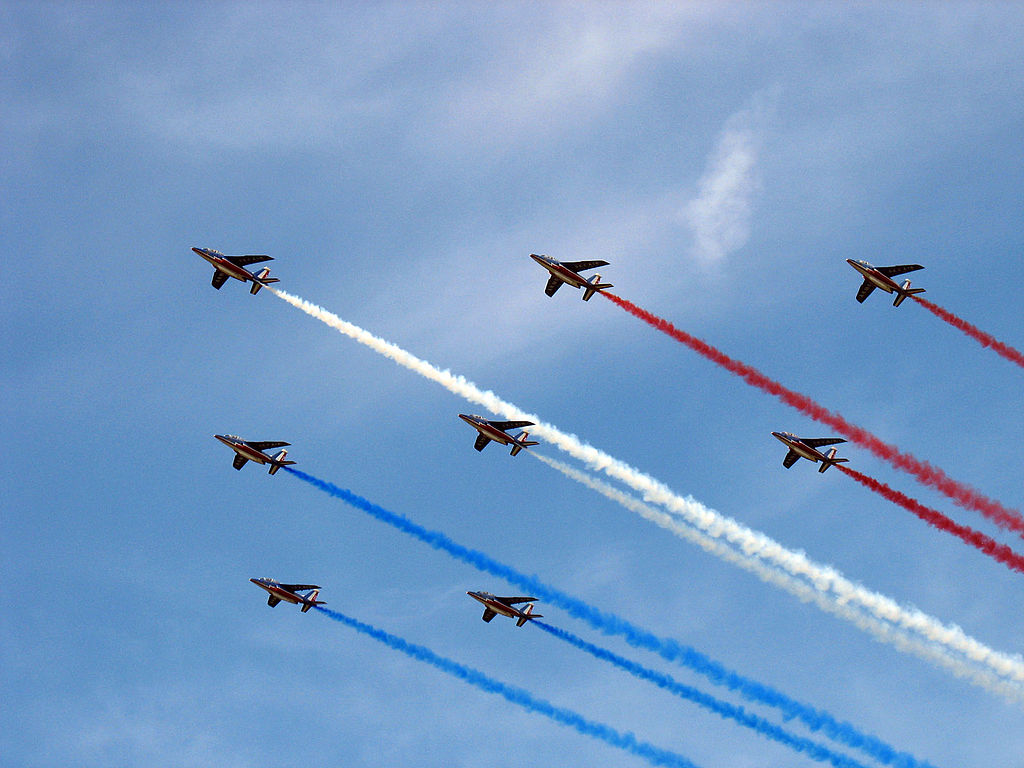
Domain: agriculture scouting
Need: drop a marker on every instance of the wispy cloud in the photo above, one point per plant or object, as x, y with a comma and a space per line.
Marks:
719, 216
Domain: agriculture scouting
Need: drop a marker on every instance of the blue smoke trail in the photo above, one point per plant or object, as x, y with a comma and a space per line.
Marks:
724, 709
611, 624
626, 741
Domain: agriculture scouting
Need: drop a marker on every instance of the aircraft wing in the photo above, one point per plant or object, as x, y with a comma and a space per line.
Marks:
481, 441
554, 283
239, 461
250, 259
267, 444
579, 266
219, 278
273, 600
790, 459
503, 425
514, 600
817, 442
865, 291
488, 614
899, 269
299, 587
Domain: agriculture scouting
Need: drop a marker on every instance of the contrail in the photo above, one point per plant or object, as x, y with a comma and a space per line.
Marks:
751, 543
519, 696
960, 493
985, 339
609, 623
729, 711
882, 631
976, 539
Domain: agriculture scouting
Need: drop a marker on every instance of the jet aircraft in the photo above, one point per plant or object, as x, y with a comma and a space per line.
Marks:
881, 277
234, 266
569, 272
493, 605
289, 593
495, 430
247, 450
807, 448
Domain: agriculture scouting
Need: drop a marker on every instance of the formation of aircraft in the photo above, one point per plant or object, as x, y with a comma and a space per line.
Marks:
807, 448
235, 266
882, 277
494, 605
249, 450
290, 593
495, 430
568, 272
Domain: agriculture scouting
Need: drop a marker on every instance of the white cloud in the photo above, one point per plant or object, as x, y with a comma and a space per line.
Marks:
719, 217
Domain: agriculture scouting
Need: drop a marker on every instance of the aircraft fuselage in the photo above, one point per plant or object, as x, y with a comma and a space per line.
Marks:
243, 449
872, 275
799, 447
278, 592
221, 264
560, 271
488, 430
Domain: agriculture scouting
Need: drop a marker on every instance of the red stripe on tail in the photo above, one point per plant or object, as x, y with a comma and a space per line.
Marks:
932, 476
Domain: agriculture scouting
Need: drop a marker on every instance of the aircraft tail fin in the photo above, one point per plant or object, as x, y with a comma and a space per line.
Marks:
594, 284
522, 442
311, 601
904, 291
261, 280
830, 459
278, 461
527, 615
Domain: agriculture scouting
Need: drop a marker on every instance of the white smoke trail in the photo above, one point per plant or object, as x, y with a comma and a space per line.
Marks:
880, 630
751, 543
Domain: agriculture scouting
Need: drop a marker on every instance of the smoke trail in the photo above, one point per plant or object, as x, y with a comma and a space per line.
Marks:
985, 339
724, 709
610, 624
976, 539
961, 494
751, 543
881, 630
523, 698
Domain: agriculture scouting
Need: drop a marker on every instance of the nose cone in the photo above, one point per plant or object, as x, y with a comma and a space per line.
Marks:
257, 582
781, 436
542, 260
467, 418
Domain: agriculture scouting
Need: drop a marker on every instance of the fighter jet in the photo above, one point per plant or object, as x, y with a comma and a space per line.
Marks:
289, 593
568, 272
253, 451
234, 266
881, 277
495, 430
493, 605
807, 448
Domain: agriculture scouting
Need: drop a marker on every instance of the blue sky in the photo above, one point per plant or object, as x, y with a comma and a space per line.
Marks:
400, 162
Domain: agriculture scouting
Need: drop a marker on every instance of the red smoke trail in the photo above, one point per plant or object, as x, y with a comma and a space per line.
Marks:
961, 494
976, 539
986, 340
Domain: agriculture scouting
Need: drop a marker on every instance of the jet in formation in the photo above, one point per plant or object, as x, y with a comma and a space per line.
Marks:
807, 448
495, 430
234, 266
569, 272
290, 593
493, 605
248, 450
882, 277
